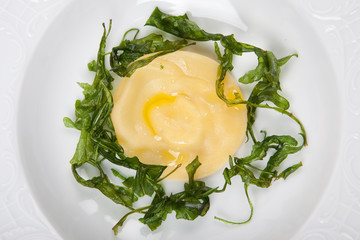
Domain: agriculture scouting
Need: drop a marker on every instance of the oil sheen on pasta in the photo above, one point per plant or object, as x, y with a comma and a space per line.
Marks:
168, 113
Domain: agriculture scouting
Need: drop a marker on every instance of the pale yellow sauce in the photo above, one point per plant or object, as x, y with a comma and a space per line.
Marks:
168, 113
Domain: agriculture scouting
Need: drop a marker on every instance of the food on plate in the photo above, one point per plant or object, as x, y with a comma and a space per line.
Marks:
172, 114
163, 115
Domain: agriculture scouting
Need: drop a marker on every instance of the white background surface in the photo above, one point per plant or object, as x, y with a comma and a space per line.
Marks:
337, 23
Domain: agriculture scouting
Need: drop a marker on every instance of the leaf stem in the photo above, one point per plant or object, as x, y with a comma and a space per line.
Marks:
289, 114
246, 185
122, 220
172, 171
223, 189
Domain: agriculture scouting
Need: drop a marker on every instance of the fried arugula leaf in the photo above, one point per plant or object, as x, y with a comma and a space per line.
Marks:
283, 146
188, 204
84, 150
244, 167
266, 74
180, 26
98, 142
119, 195
144, 182
91, 112
124, 58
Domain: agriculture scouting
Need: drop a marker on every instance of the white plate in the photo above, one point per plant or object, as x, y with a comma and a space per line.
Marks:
314, 82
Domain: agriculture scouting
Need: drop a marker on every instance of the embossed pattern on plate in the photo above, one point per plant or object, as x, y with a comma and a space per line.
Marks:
21, 26
337, 22
338, 214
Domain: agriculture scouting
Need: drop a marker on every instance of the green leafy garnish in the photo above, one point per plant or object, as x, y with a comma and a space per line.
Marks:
97, 142
179, 26
124, 58
188, 204
283, 146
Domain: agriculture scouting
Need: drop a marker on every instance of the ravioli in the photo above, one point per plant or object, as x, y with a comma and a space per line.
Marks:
167, 113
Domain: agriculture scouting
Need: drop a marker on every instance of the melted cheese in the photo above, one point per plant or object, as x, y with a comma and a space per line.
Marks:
168, 113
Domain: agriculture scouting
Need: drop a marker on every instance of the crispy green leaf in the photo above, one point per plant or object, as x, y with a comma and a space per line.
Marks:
191, 169
255, 74
225, 66
157, 213
283, 146
188, 204
84, 150
284, 174
118, 174
69, 123
117, 194
238, 48
92, 66
266, 74
180, 26
144, 182
124, 58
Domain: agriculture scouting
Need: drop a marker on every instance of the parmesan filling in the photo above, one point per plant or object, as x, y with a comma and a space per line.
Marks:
167, 113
